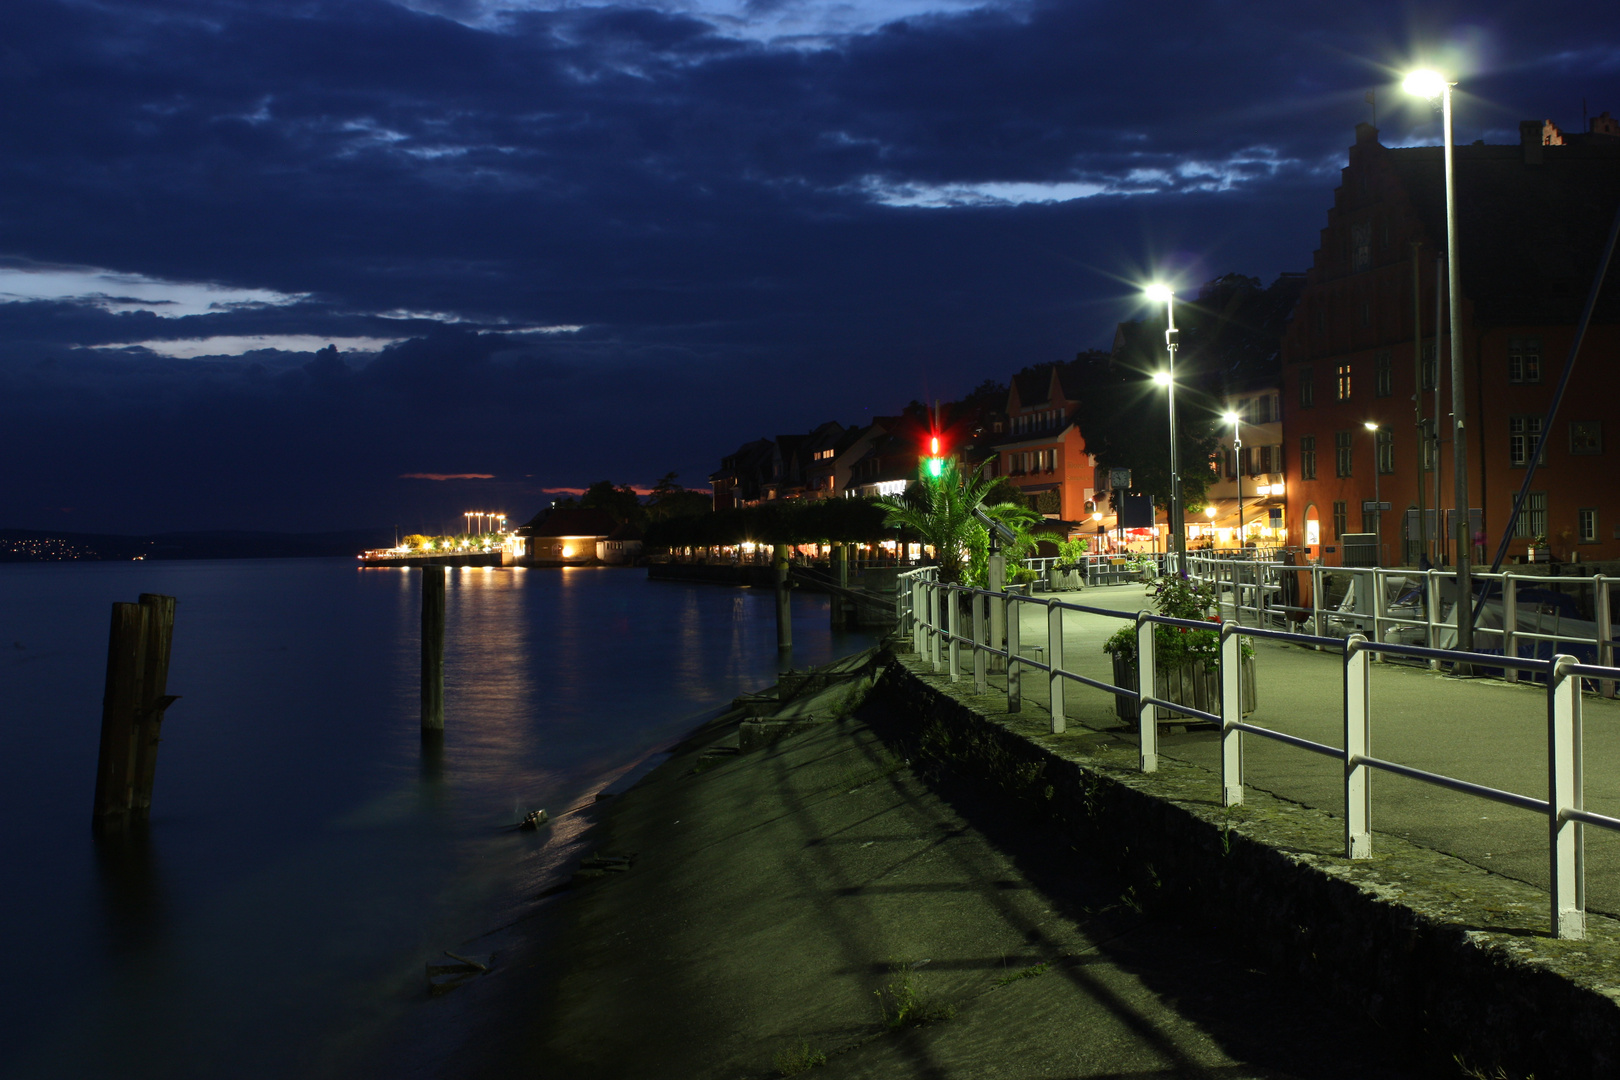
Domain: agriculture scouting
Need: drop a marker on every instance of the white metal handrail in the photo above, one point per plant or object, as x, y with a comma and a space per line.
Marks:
933, 616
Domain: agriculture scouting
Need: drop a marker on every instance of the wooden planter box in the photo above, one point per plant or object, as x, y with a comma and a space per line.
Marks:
1196, 685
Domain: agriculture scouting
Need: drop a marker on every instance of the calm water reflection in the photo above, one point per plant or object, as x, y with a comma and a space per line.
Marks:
305, 856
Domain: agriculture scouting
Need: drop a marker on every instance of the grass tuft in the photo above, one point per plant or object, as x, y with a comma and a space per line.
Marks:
904, 1005
799, 1059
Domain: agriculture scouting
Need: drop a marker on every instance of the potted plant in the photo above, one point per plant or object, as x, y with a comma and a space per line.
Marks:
1538, 548
1068, 572
1186, 662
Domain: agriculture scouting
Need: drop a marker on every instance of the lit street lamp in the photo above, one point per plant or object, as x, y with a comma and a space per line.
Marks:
1237, 469
1431, 84
1167, 379
1378, 504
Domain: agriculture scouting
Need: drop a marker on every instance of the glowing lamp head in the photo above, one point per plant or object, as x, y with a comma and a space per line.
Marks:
933, 446
1230, 417
1209, 512
1162, 378
567, 552
1425, 83
1158, 293
936, 467
1370, 425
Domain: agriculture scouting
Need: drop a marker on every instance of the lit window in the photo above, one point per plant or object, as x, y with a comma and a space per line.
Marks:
1524, 360
1343, 386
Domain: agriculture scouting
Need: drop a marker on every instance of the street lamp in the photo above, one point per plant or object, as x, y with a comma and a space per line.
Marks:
1237, 469
1167, 379
1431, 84
1378, 504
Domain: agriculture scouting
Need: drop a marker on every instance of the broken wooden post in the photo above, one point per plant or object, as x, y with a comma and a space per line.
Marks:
432, 649
126, 654
154, 697
132, 711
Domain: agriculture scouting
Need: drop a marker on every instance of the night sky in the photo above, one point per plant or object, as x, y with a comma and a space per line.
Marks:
555, 243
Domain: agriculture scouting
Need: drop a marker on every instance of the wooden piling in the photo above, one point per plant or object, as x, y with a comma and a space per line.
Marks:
784, 610
841, 607
154, 697
432, 649
126, 654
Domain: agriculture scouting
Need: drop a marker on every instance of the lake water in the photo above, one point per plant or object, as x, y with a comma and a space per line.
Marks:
304, 857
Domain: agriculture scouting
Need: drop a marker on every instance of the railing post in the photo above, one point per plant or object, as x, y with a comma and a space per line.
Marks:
1431, 593
1147, 723
1563, 794
1357, 746
1605, 630
1510, 623
1054, 658
1015, 688
980, 658
953, 625
1231, 713
1377, 599
996, 579
1317, 617
917, 612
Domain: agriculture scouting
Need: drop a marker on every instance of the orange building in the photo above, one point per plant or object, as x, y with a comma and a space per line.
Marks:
1041, 450
1361, 350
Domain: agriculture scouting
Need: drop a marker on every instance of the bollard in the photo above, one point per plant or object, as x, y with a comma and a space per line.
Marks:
432, 649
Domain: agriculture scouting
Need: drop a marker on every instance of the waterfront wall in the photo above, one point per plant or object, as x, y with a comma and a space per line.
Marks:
1452, 960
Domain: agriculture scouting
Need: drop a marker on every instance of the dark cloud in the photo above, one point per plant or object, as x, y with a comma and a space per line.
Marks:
707, 208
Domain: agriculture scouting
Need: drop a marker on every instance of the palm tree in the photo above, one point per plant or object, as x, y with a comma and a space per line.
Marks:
940, 510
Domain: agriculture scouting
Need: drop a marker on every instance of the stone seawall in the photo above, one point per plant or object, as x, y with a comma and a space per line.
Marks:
1454, 961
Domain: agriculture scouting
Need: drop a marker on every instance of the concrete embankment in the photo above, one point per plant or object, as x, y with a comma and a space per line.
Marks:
1451, 960
898, 879
824, 901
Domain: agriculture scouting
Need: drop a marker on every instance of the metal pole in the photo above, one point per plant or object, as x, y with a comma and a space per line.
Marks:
1439, 465
1178, 532
1417, 396
1237, 469
1459, 404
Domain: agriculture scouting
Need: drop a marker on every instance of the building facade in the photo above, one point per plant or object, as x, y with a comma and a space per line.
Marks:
1366, 378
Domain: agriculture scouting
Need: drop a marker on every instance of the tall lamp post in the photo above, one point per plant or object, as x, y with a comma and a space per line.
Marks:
1237, 470
1378, 504
1431, 84
1167, 379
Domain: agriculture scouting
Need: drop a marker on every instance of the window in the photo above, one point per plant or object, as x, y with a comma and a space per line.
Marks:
1385, 375
1307, 392
1386, 451
1429, 366
1341, 520
1426, 439
1342, 447
1366, 313
1524, 360
1586, 437
1342, 391
1360, 246
1587, 521
1532, 516
1307, 457
1524, 434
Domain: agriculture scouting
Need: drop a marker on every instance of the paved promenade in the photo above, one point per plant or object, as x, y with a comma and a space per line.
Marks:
1482, 730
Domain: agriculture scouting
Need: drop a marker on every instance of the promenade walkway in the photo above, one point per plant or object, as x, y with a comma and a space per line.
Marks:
1483, 730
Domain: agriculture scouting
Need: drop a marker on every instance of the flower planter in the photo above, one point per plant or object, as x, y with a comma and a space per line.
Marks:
1197, 685
1063, 580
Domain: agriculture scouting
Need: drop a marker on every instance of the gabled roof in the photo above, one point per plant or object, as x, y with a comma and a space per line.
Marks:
1034, 386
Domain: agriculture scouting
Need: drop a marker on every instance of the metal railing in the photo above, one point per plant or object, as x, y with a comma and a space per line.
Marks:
1524, 611
933, 616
